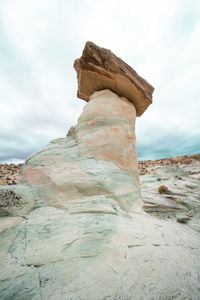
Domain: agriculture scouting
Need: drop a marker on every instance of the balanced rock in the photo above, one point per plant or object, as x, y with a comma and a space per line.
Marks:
85, 234
99, 69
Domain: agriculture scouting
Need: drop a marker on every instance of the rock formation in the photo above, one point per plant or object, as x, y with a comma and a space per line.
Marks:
99, 69
98, 153
77, 229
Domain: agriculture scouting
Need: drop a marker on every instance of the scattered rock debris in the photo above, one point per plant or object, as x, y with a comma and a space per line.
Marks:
10, 174
163, 189
146, 166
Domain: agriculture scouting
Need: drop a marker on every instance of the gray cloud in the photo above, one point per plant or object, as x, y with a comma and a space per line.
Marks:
40, 40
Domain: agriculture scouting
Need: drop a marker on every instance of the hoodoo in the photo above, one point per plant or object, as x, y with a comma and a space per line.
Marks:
104, 136
75, 228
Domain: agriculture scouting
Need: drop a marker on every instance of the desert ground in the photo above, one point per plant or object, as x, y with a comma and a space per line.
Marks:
173, 181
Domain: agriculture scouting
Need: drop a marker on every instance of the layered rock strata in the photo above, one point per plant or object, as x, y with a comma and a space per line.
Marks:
98, 153
75, 227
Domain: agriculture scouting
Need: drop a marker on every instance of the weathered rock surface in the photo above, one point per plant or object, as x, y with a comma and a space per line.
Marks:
76, 227
99, 69
88, 236
98, 153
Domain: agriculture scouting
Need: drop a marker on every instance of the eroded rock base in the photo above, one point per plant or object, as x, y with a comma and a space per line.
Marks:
77, 229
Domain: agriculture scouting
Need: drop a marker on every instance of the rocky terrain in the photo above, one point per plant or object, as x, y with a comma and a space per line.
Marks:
11, 173
82, 225
148, 166
52, 245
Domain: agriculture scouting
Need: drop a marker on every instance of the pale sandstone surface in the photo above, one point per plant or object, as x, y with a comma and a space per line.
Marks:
84, 235
106, 130
99, 69
98, 153
58, 254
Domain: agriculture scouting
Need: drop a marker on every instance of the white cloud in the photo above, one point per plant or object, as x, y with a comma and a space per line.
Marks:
41, 38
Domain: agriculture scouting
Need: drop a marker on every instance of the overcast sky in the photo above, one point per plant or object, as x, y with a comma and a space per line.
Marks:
39, 40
